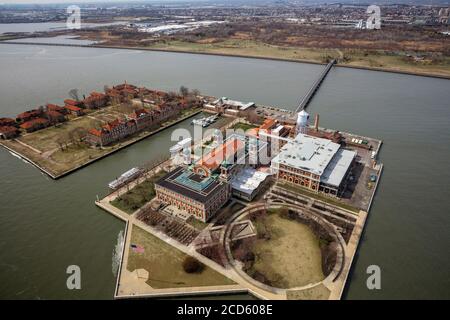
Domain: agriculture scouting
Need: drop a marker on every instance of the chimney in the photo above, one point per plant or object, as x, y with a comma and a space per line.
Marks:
316, 122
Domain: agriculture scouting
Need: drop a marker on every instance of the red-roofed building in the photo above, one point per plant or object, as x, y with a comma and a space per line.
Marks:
8, 132
114, 96
96, 100
74, 103
122, 93
55, 116
144, 119
35, 124
28, 115
228, 151
111, 132
74, 110
54, 107
7, 122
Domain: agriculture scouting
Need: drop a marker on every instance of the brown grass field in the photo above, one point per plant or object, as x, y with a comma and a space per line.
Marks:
164, 264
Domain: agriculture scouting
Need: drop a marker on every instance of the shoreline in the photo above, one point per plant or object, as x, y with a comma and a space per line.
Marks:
58, 176
337, 287
410, 73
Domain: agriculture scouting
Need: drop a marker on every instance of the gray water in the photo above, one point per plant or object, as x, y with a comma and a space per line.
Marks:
46, 26
63, 39
46, 225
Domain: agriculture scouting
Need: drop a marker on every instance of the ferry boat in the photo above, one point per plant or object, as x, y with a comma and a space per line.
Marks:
124, 178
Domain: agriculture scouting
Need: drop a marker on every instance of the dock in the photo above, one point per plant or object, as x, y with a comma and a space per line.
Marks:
312, 91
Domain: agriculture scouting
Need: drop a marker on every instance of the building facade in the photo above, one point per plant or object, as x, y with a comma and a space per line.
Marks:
316, 164
197, 195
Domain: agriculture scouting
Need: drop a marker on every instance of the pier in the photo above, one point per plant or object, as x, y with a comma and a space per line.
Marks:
312, 91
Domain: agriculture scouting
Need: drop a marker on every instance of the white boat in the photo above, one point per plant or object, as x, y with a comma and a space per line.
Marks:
204, 122
124, 178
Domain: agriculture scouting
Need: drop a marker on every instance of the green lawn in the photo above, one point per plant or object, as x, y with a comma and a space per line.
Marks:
164, 264
243, 126
138, 196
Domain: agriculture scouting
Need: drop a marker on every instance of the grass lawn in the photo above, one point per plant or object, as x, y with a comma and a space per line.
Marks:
291, 257
46, 152
243, 126
45, 139
164, 264
138, 196
316, 196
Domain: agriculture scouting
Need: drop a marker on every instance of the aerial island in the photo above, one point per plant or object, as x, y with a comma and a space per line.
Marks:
264, 202
61, 139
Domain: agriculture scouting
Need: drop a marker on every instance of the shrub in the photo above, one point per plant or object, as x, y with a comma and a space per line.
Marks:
192, 265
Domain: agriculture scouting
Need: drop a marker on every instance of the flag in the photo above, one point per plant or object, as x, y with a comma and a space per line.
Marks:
137, 248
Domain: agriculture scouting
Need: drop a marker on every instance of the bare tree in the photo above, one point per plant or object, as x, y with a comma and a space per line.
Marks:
74, 94
184, 91
60, 142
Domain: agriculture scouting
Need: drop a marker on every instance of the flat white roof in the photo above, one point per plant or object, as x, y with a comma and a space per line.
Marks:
307, 153
338, 167
248, 179
239, 104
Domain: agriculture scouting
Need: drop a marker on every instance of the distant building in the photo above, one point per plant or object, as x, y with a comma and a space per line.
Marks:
314, 163
230, 107
95, 100
55, 116
122, 92
76, 111
28, 115
74, 103
7, 122
35, 124
111, 132
8, 132
144, 119
54, 107
201, 196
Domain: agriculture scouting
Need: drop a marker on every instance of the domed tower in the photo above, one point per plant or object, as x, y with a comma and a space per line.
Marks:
302, 122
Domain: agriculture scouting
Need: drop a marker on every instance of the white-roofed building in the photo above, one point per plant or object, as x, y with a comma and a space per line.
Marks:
314, 163
247, 183
230, 107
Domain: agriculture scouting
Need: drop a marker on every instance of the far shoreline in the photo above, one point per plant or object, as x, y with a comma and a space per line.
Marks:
410, 73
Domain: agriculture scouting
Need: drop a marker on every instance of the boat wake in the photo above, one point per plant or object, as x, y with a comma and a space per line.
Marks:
117, 253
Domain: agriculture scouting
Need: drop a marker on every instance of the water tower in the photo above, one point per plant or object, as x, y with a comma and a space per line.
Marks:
302, 122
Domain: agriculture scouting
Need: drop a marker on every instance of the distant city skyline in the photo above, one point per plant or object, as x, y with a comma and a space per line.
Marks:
429, 2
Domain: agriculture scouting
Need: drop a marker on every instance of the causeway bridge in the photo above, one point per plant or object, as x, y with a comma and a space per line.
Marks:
312, 91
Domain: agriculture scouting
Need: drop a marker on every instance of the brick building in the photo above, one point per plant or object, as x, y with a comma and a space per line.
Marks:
198, 195
317, 164
111, 132
35, 124
8, 132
